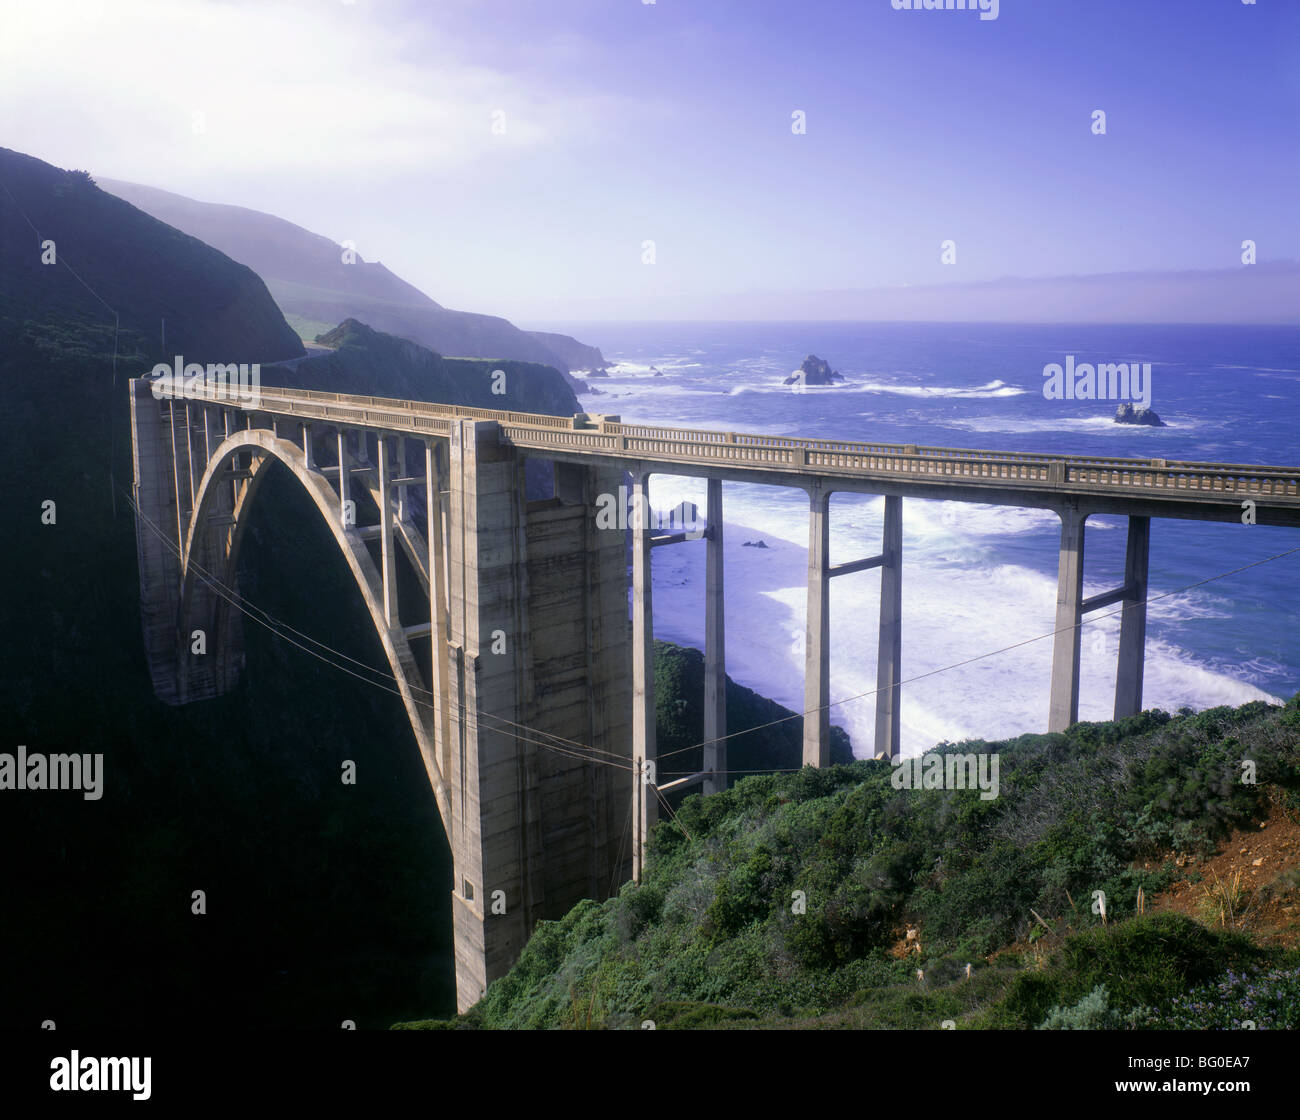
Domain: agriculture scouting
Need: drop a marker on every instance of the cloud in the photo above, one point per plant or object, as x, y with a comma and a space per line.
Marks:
180, 90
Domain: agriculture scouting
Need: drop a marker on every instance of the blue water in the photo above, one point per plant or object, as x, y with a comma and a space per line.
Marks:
976, 578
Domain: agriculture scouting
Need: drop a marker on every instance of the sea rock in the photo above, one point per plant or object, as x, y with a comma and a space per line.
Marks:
1135, 414
754, 544
813, 371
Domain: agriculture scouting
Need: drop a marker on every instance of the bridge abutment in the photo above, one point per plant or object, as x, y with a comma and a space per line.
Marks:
199, 653
538, 677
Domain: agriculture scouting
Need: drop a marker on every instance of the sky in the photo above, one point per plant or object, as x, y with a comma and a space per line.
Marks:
552, 160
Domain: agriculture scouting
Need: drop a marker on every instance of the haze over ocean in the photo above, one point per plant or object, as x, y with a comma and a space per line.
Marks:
975, 578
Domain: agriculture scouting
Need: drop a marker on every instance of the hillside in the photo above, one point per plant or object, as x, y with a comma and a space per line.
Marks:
679, 721
307, 276
364, 360
216, 796
833, 898
110, 257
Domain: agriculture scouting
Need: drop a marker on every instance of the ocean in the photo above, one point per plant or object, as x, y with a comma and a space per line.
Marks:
976, 578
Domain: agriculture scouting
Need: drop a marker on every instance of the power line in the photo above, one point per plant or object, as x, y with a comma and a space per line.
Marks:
586, 751
472, 718
232, 596
991, 653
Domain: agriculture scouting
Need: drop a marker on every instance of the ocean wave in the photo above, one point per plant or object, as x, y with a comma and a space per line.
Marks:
1094, 424
1260, 369
992, 390
953, 612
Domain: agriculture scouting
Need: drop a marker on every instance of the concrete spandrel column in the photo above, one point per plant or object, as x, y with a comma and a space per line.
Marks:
715, 648
344, 477
189, 453
403, 506
1133, 622
644, 800
1069, 615
387, 556
817, 637
437, 603
889, 660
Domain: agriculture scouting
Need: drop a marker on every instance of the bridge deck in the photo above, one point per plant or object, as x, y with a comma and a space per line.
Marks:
960, 473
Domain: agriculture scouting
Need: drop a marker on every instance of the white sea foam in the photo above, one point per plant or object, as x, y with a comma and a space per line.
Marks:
1097, 425
958, 603
992, 390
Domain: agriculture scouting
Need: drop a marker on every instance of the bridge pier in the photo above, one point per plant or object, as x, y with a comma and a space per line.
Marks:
1066, 646
1133, 622
816, 721
538, 673
890, 657
487, 704
715, 647
817, 634
645, 805
1071, 607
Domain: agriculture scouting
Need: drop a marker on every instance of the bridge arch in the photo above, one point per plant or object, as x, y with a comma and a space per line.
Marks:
266, 447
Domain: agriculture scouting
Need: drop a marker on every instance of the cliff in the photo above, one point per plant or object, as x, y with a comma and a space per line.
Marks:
837, 898
364, 360
310, 280
110, 257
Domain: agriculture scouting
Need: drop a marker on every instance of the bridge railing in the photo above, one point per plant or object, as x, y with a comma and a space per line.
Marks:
813, 456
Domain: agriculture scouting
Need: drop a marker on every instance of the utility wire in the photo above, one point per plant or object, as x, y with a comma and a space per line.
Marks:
586, 751
982, 656
472, 719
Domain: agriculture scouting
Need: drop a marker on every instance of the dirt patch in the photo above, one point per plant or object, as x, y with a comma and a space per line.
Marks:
1251, 883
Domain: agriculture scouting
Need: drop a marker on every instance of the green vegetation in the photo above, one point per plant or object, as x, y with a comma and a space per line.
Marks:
370, 362
307, 329
776, 744
785, 900
97, 255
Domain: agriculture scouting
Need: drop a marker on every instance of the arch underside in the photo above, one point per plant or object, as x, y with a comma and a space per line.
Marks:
212, 542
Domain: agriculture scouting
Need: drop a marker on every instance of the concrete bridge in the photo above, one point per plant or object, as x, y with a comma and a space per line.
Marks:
530, 694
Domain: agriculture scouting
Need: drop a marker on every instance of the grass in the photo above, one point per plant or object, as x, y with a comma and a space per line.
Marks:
717, 933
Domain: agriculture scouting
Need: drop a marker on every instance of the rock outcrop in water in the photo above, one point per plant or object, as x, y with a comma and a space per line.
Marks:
1136, 414
813, 371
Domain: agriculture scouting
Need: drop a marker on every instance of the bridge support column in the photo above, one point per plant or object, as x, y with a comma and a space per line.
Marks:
1066, 647
715, 648
189, 452
345, 475
889, 660
388, 558
645, 805
433, 479
817, 638
1133, 622
488, 790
